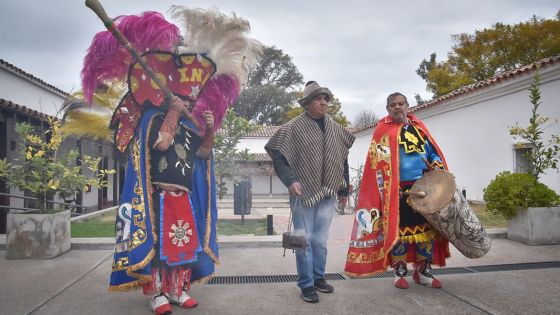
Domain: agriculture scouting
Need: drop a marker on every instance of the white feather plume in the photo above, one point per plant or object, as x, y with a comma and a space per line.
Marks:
223, 38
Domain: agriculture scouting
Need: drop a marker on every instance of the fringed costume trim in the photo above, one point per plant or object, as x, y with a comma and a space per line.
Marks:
207, 248
420, 237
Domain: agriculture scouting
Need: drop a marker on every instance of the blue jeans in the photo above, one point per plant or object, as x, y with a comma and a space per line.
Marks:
314, 222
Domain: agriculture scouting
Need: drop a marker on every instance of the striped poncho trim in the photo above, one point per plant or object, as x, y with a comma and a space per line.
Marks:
316, 157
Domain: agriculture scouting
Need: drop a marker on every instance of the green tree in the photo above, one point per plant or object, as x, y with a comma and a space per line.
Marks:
225, 148
271, 88
426, 66
333, 111
419, 99
543, 154
485, 53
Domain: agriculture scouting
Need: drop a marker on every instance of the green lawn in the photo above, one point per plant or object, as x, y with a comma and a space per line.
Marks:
231, 227
488, 219
104, 226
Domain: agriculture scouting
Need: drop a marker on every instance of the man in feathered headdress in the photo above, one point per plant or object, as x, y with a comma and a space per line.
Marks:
166, 221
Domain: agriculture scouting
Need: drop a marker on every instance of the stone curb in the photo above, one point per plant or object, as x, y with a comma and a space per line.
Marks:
225, 241
92, 214
233, 241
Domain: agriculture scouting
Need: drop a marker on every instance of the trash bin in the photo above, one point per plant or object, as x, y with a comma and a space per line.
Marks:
242, 197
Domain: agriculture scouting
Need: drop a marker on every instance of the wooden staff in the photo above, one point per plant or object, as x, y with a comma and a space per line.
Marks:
96, 7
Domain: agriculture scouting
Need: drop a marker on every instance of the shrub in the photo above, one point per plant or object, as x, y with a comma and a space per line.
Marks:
508, 192
42, 170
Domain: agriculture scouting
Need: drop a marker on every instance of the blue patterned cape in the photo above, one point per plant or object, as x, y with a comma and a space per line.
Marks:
135, 236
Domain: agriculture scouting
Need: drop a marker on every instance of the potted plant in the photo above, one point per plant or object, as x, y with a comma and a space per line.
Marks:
43, 171
532, 209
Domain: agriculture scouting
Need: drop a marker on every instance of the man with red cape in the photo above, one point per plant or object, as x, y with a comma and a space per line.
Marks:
387, 231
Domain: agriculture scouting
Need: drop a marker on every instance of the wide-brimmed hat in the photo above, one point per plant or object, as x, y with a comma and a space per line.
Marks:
312, 89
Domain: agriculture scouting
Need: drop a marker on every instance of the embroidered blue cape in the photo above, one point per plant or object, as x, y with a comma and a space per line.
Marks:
135, 235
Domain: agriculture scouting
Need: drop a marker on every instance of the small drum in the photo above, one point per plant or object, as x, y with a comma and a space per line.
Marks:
437, 198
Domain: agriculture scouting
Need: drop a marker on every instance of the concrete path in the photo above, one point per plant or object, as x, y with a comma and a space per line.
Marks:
76, 283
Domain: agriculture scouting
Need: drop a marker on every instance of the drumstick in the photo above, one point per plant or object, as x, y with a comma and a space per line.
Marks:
98, 9
419, 193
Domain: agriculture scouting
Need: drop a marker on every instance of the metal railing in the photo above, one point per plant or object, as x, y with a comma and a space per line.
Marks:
61, 206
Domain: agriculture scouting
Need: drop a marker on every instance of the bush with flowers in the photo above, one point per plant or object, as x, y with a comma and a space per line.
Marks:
43, 171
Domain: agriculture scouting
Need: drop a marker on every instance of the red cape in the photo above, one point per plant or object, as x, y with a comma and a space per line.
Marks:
370, 253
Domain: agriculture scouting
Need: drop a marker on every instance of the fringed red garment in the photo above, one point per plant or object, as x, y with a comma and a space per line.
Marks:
378, 198
152, 287
167, 280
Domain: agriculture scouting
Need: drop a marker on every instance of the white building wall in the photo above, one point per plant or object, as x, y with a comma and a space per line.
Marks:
472, 130
23, 91
358, 151
255, 145
260, 184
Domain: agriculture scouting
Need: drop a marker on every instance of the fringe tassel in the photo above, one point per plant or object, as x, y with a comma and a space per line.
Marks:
168, 280
204, 280
127, 286
151, 288
187, 285
174, 280
419, 238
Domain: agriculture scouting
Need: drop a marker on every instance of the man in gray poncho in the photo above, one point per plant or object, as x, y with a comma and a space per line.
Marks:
310, 156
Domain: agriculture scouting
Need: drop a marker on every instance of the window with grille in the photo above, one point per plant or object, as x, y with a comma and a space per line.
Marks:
521, 163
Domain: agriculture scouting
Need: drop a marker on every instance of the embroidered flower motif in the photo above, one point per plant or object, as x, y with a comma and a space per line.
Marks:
179, 235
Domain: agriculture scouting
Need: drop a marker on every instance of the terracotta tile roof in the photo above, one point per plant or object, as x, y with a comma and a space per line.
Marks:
358, 129
31, 77
261, 157
268, 131
482, 84
257, 157
262, 132
5, 104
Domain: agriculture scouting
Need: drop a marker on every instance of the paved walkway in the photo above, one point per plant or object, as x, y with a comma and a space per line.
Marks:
76, 283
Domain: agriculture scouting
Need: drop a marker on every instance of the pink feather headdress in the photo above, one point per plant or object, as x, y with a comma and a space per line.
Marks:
107, 60
220, 38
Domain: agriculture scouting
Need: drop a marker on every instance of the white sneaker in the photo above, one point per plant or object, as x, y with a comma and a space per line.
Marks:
184, 301
160, 304
423, 275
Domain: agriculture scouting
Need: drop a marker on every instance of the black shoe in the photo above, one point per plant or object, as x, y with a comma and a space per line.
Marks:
321, 285
309, 295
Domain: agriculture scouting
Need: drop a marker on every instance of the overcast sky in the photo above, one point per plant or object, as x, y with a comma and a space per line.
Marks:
362, 50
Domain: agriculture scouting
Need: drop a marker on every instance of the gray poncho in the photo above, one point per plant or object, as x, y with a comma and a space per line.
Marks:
316, 158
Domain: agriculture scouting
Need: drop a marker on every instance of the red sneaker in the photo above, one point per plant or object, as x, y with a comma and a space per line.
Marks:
400, 282
400, 275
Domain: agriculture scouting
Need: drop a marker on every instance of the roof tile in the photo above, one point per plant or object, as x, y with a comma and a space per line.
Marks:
5, 104
31, 77
494, 80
